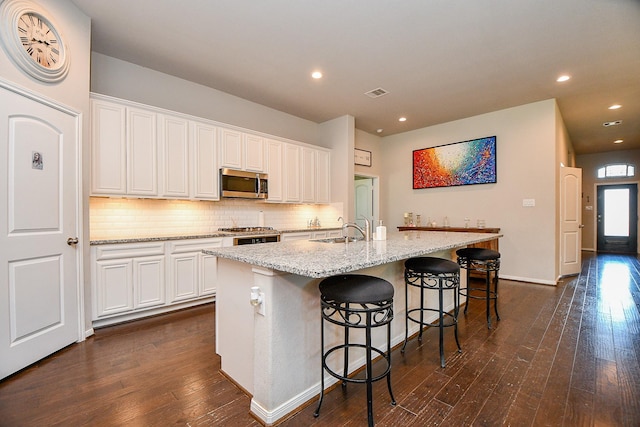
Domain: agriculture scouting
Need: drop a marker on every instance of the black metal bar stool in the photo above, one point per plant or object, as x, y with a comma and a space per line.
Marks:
429, 273
483, 260
363, 302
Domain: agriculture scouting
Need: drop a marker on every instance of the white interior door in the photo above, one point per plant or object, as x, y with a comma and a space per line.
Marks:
38, 197
570, 221
364, 200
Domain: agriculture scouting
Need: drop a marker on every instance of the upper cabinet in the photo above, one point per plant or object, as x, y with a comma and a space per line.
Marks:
149, 152
108, 148
242, 151
204, 164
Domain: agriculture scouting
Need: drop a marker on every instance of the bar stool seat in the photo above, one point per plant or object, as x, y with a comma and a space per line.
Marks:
430, 273
361, 302
482, 260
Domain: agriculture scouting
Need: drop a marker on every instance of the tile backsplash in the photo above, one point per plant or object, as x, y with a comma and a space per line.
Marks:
112, 218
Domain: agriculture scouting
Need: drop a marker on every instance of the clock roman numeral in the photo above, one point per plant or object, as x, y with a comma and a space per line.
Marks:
24, 40
55, 51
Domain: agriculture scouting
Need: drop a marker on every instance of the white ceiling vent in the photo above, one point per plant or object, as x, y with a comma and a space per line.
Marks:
614, 123
376, 93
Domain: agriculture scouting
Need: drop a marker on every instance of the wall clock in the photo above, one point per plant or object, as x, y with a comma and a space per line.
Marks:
33, 41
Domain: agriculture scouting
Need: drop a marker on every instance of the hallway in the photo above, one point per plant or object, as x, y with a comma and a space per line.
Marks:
566, 355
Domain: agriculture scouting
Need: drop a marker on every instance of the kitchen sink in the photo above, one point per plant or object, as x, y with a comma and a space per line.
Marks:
338, 239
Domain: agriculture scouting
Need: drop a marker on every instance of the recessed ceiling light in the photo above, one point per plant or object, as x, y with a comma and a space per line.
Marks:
402, 119
618, 141
316, 75
613, 123
615, 107
563, 78
379, 130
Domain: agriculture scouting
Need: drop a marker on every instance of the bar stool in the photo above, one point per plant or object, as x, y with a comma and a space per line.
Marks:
429, 273
361, 302
483, 260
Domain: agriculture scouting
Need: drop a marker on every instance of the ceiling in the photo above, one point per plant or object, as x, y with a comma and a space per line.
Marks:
439, 60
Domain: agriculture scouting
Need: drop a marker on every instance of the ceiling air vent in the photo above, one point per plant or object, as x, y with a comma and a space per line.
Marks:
376, 93
614, 123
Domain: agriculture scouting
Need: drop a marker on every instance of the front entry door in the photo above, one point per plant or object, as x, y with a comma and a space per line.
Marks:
617, 218
38, 197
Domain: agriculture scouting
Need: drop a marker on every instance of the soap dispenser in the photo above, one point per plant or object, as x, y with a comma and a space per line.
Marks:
381, 232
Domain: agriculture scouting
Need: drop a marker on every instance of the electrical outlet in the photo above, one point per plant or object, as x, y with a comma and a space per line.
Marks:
528, 203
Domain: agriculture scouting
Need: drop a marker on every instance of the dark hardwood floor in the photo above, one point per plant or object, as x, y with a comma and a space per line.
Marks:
566, 355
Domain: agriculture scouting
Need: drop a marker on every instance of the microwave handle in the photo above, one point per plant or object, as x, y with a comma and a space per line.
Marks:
257, 185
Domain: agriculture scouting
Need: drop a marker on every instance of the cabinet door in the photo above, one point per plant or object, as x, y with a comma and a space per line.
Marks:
108, 148
113, 287
274, 170
204, 162
291, 173
253, 153
308, 175
323, 177
287, 237
184, 276
148, 281
230, 148
173, 142
142, 157
208, 274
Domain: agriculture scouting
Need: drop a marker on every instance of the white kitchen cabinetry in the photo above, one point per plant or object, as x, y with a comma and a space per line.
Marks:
142, 152
308, 174
291, 173
243, 151
173, 145
108, 148
135, 280
192, 274
204, 165
323, 177
127, 278
273, 151
309, 235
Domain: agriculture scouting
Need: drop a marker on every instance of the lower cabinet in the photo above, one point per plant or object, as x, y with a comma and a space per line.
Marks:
134, 280
310, 235
192, 274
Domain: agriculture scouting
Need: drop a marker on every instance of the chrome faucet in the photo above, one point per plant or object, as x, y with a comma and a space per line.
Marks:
367, 229
345, 231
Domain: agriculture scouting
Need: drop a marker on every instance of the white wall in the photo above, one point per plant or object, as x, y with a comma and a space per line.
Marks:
526, 161
111, 76
338, 135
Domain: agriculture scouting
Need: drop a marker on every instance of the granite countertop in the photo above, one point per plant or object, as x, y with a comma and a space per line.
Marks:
318, 259
110, 241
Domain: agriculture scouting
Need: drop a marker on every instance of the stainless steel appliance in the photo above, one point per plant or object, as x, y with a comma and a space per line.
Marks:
241, 184
252, 235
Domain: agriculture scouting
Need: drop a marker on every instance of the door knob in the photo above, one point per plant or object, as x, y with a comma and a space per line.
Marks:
72, 241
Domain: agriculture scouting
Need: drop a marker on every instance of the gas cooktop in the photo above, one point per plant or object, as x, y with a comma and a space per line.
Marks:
245, 229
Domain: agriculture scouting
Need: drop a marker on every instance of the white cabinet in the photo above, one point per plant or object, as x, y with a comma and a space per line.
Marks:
243, 151
309, 235
308, 173
142, 157
173, 146
291, 173
108, 148
192, 274
273, 151
204, 165
323, 177
127, 278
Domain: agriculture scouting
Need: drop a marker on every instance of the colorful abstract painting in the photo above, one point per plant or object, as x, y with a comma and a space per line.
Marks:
461, 163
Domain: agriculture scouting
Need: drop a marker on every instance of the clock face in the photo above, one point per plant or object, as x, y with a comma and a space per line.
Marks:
32, 41
39, 40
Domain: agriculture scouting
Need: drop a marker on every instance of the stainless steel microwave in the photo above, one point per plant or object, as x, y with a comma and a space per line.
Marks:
246, 185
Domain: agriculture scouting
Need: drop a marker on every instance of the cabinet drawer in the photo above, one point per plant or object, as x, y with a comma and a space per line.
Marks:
128, 250
181, 246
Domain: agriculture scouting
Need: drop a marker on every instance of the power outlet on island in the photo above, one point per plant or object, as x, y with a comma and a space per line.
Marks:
261, 305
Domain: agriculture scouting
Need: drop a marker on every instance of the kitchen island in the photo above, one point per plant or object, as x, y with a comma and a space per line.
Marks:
273, 350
